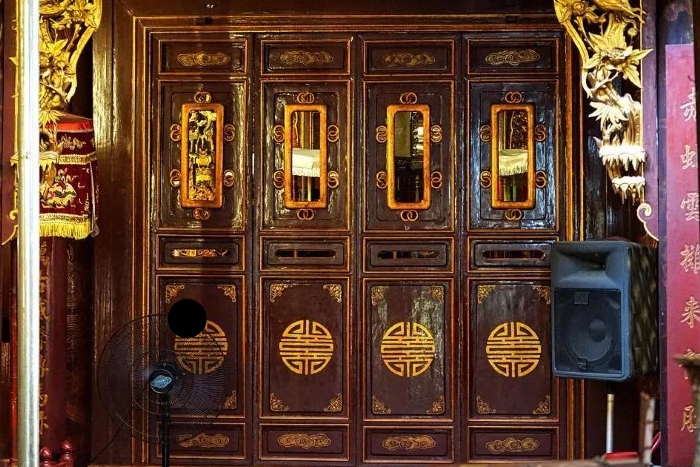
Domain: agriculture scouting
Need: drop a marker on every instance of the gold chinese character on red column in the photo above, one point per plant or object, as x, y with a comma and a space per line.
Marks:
689, 108
690, 420
689, 158
690, 205
691, 258
691, 312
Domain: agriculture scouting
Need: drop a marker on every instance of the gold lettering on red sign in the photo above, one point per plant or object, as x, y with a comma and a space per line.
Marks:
690, 205
690, 108
691, 258
689, 158
691, 312
690, 419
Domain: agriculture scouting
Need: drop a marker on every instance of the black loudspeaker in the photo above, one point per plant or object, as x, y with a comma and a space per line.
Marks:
604, 310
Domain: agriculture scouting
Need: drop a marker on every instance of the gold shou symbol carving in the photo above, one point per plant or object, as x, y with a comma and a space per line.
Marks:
302, 57
513, 349
304, 440
408, 60
408, 443
203, 59
512, 57
499, 446
407, 349
203, 440
203, 353
306, 347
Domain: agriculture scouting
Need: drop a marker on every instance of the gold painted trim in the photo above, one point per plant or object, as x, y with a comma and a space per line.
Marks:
408, 443
378, 407
198, 252
335, 405
171, 291
276, 404
483, 407
391, 111
304, 440
203, 59
483, 292
544, 293
305, 58
512, 57
510, 444
378, 294
231, 402
203, 440
335, 291
229, 291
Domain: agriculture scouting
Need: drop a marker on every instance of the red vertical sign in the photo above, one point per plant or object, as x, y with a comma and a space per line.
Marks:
682, 286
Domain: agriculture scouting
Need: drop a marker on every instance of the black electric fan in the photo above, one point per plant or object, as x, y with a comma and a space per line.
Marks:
149, 377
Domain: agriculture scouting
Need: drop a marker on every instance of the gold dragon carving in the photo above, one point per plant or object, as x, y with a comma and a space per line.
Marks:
606, 34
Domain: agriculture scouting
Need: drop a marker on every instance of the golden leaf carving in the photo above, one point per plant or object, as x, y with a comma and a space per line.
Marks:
231, 402
483, 292
171, 291
378, 407
335, 291
438, 407
499, 446
276, 291
408, 60
544, 407
229, 291
203, 440
302, 57
378, 293
304, 440
544, 292
408, 443
335, 405
483, 407
276, 404
606, 34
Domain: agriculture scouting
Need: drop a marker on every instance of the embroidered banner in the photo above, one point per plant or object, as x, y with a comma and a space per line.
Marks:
682, 281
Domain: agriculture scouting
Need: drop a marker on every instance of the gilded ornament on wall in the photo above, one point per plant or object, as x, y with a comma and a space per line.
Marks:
606, 34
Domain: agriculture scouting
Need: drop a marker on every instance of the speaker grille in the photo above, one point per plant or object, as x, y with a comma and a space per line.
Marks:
587, 332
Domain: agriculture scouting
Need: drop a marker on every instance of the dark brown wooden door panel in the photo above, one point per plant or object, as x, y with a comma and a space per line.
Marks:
334, 95
378, 216
304, 347
231, 175
543, 95
510, 373
223, 300
407, 349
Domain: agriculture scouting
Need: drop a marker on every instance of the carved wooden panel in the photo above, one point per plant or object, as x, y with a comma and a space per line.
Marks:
305, 442
407, 349
438, 215
334, 96
201, 53
219, 444
427, 56
510, 351
408, 256
547, 133
306, 253
304, 348
224, 301
294, 55
225, 181
183, 252
513, 56
487, 254
526, 444
408, 445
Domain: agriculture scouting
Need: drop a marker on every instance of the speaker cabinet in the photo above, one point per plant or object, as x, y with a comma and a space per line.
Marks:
604, 310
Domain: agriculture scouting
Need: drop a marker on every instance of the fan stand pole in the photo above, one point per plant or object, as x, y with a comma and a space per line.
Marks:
165, 431
609, 418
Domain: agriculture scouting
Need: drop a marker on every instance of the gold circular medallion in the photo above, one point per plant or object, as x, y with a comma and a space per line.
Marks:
203, 353
407, 349
306, 347
513, 349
